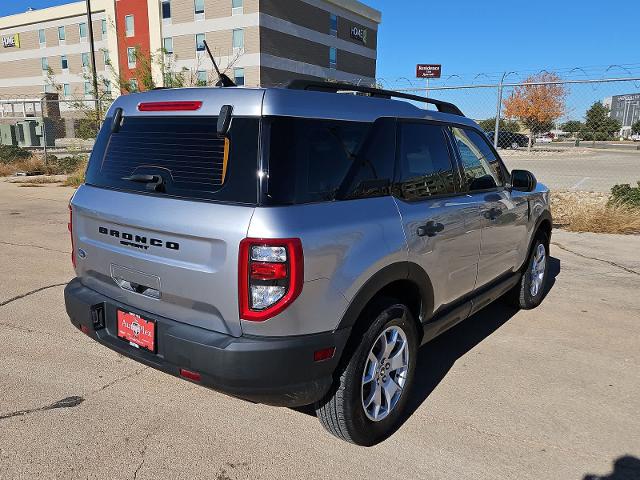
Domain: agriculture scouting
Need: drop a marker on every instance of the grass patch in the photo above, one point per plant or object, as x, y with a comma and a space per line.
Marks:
593, 212
77, 178
38, 180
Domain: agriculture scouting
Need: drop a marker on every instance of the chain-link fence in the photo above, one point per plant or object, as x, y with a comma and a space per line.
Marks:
57, 133
573, 134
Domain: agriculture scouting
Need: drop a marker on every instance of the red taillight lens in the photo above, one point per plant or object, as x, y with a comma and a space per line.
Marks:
169, 106
268, 271
271, 274
70, 228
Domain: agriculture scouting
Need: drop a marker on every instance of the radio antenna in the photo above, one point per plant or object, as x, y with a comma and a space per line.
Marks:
223, 80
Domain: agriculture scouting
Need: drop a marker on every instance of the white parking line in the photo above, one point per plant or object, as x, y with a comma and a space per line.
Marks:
580, 183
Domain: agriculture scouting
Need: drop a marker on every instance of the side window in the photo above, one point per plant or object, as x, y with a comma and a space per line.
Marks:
425, 163
482, 169
321, 160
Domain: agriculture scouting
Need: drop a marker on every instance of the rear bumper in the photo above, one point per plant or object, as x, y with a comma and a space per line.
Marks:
276, 371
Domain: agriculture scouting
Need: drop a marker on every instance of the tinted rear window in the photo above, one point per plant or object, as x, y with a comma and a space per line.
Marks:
324, 160
185, 152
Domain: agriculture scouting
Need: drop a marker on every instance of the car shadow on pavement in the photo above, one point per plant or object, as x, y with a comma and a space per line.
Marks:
626, 467
436, 358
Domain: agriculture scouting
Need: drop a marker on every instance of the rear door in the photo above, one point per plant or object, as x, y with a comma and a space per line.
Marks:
433, 213
168, 246
502, 215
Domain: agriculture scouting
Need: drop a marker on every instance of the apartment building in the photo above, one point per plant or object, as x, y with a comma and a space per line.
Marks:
256, 42
47, 50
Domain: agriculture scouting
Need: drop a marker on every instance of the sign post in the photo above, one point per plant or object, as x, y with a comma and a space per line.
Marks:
427, 71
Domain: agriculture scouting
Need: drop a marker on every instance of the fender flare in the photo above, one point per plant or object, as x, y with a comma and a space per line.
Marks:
391, 273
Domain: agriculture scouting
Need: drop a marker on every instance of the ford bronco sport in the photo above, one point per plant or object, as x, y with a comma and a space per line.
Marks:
295, 246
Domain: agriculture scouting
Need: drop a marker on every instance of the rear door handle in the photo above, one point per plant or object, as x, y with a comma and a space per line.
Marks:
492, 213
430, 229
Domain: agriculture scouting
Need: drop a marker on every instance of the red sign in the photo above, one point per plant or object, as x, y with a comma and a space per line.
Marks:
136, 330
428, 71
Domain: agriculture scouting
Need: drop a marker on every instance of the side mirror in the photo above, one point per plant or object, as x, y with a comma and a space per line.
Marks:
224, 120
523, 181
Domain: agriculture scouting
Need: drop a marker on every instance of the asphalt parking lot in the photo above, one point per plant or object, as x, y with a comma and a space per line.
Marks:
552, 393
578, 169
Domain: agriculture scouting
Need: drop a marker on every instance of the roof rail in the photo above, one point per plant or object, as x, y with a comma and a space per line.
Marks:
334, 87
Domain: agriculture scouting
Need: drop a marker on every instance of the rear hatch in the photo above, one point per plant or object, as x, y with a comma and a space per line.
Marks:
166, 203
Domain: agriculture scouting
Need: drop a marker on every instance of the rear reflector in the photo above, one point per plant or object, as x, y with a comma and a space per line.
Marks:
188, 374
84, 329
324, 354
169, 106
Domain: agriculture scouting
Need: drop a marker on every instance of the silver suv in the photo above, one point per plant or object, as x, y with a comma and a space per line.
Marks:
296, 246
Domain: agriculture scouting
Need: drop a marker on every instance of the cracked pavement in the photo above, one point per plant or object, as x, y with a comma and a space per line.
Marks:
545, 394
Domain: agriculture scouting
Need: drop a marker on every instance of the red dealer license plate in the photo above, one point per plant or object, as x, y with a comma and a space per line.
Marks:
137, 331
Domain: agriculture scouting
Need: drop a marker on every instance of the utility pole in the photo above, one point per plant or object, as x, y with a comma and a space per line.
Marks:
93, 50
94, 72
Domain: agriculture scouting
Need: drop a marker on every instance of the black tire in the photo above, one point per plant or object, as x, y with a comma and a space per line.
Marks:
521, 295
341, 412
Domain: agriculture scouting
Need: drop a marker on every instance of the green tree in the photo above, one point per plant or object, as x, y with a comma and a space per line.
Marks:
572, 126
598, 124
489, 125
635, 128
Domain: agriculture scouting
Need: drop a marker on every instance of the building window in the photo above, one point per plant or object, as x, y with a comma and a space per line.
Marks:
87, 88
133, 85
237, 7
131, 57
83, 31
167, 44
42, 39
66, 91
104, 27
238, 75
107, 86
129, 26
202, 78
166, 9
64, 64
199, 7
200, 42
106, 57
333, 58
85, 60
61, 34
238, 39
45, 64
333, 25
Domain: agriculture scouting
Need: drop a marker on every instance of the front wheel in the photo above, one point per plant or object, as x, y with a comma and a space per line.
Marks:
368, 398
528, 293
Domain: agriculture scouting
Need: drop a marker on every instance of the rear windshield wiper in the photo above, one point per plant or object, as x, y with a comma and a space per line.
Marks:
155, 183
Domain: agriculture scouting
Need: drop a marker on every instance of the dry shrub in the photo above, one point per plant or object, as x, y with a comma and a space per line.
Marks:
591, 212
77, 178
31, 166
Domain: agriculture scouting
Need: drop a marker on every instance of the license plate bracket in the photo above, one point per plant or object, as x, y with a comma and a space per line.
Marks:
137, 331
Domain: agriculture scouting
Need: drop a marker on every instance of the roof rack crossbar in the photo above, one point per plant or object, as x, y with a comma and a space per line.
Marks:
333, 87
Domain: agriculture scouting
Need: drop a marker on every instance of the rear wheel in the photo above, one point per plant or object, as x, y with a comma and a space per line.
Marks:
368, 398
528, 293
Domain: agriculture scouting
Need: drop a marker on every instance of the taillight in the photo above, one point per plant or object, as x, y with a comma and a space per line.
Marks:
271, 273
70, 228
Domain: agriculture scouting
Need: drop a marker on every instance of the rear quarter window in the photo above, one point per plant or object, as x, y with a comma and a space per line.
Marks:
185, 152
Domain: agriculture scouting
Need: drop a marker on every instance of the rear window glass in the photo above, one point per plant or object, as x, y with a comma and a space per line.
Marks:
324, 160
184, 153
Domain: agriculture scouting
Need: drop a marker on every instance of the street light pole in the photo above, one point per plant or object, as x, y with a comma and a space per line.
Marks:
93, 52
